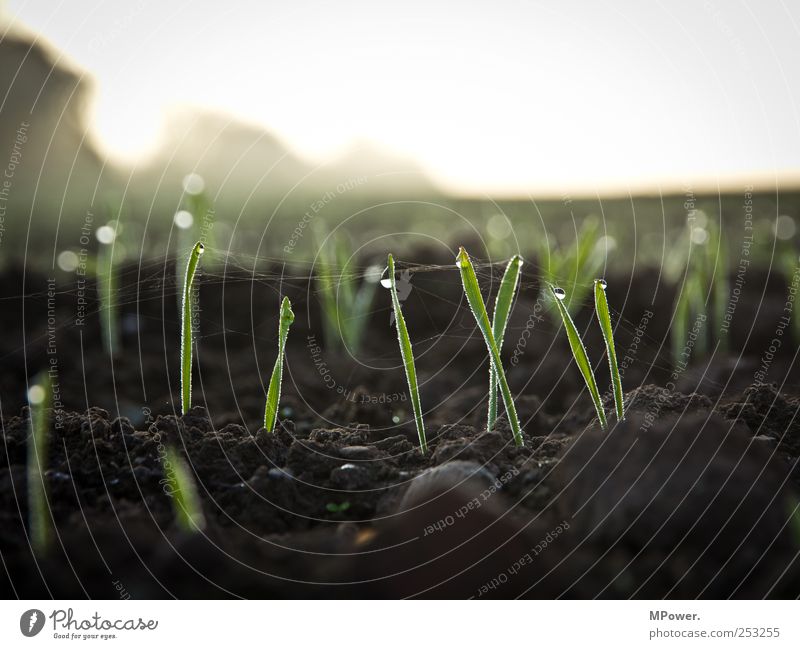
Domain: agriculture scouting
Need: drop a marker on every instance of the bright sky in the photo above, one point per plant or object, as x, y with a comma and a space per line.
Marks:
500, 96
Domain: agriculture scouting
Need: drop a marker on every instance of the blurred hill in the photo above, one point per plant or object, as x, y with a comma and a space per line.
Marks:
61, 174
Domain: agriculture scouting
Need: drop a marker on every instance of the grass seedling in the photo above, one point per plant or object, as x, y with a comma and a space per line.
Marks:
579, 353
186, 328
604, 318
574, 265
39, 399
473, 293
107, 289
407, 355
345, 304
274, 391
183, 491
333, 508
502, 309
705, 285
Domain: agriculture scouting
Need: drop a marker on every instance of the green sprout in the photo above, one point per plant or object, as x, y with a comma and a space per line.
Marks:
572, 266
408, 357
186, 327
40, 400
345, 305
274, 391
107, 293
473, 293
333, 508
705, 284
181, 487
579, 353
502, 310
604, 318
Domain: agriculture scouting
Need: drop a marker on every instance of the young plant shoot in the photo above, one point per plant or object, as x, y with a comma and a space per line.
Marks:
604, 318
407, 355
502, 310
579, 353
473, 293
274, 391
186, 328
107, 294
183, 491
40, 399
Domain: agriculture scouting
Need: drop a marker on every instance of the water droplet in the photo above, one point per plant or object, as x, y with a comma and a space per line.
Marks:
348, 467
386, 282
559, 293
193, 184
372, 274
68, 261
602, 283
699, 236
36, 395
785, 227
105, 234
183, 219
201, 249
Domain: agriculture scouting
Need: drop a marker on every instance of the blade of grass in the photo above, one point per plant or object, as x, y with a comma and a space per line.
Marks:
604, 318
274, 391
408, 357
473, 293
185, 499
40, 398
186, 328
579, 354
107, 293
502, 310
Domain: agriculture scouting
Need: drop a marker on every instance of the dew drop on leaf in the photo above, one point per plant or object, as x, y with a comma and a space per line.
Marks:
559, 293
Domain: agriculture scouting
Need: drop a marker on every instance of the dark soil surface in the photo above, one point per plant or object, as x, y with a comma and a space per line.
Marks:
691, 496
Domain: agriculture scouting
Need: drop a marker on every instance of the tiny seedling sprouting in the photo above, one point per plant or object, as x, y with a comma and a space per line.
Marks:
274, 391
579, 353
346, 304
572, 265
473, 293
107, 290
604, 318
39, 399
183, 491
186, 328
407, 355
502, 310
340, 508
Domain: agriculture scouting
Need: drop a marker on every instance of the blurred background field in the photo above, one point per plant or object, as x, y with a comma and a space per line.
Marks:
387, 135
